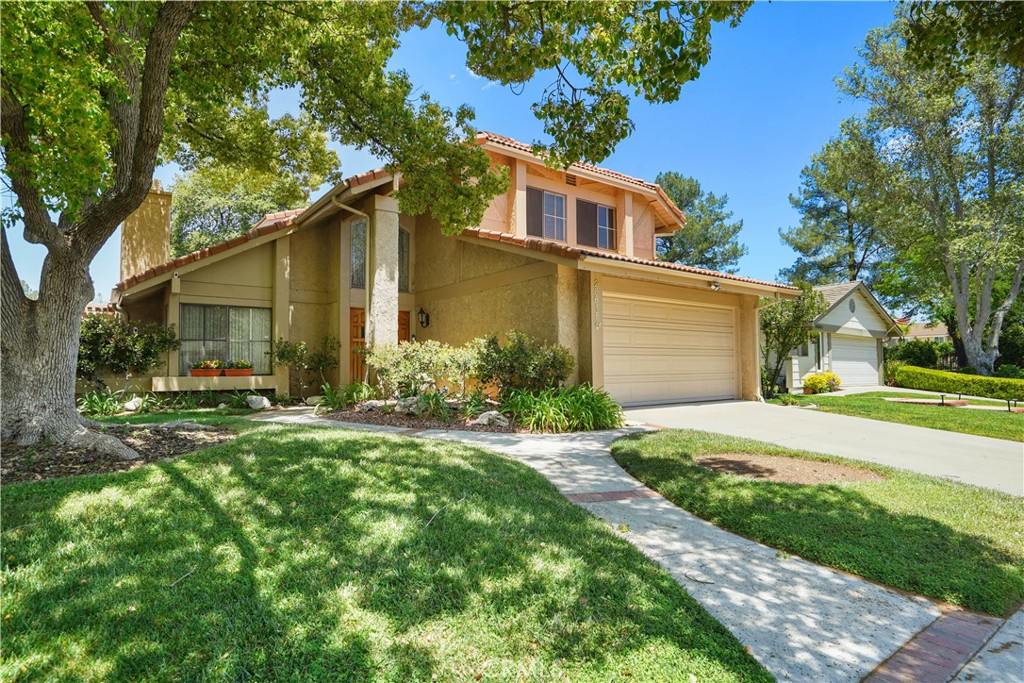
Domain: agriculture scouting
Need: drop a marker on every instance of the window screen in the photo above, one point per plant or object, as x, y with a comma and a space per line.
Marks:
359, 253
595, 224
225, 333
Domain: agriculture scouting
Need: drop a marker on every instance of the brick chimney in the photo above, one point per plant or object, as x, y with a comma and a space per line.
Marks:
146, 234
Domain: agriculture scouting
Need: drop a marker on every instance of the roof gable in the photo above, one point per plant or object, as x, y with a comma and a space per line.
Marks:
836, 294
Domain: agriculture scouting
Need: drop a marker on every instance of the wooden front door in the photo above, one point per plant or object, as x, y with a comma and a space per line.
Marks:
357, 340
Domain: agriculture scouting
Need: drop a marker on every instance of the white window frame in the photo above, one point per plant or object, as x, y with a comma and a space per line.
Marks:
606, 237
557, 228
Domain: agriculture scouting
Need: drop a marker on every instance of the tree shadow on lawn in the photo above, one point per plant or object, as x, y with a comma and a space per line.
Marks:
844, 526
297, 553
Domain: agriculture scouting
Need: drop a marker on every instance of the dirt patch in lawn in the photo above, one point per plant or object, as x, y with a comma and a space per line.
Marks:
158, 442
375, 417
783, 469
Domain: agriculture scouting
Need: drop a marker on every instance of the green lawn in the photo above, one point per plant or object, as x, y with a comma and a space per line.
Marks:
945, 540
999, 425
304, 554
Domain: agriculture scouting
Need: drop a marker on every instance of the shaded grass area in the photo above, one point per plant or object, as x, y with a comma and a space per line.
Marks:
944, 540
872, 405
222, 417
305, 554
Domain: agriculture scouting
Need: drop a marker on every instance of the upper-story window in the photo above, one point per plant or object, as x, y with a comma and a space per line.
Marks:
358, 261
545, 214
595, 225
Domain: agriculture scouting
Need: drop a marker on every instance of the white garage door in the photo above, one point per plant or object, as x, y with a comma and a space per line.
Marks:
667, 351
855, 360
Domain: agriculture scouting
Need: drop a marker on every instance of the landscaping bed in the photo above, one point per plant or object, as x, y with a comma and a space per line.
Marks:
392, 419
48, 461
304, 553
788, 470
929, 536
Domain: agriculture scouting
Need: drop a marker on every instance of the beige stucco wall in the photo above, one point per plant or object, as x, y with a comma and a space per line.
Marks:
242, 279
643, 228
471, 291
146, 235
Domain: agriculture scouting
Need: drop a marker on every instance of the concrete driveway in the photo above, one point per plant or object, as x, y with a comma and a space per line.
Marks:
977, 460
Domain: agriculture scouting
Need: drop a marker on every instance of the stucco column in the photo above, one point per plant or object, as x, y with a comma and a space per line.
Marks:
596, 307
749, 351
519, 197
344, 303
282, 307
568, 311
382, 253
173, 315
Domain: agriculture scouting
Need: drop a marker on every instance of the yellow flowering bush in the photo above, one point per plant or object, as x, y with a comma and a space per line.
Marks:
822, 381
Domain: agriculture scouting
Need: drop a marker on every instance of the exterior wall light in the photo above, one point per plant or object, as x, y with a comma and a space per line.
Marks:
715, 286
423, 317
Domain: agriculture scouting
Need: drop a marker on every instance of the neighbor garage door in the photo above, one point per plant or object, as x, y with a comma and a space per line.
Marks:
855, 360
658, 351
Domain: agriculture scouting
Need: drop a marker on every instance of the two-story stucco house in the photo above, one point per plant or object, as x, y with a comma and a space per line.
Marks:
567, 256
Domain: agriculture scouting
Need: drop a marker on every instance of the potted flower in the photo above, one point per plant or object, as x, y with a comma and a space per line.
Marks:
238, 368
206, 368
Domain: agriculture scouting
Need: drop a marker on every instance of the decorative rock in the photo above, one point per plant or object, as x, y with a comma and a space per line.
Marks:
491, 418
314, 400
133, 404
408, 406
222, 406
370, 406
258, 402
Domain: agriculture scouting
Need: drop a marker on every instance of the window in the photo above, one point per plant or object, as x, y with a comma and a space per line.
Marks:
403, 260
595, 225
545, 214
358, 250
225, 333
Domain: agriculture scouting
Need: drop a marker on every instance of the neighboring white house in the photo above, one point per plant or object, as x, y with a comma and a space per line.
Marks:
849, 339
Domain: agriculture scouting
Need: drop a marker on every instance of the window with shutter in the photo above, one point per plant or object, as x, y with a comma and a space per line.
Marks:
534, 212
586, 223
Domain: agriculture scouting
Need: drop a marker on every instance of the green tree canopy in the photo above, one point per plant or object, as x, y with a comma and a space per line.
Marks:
710, 237
139, 84
951, 32
785, 325
842, 205
954, 147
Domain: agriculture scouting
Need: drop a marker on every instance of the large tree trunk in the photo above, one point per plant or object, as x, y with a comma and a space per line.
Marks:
39, 343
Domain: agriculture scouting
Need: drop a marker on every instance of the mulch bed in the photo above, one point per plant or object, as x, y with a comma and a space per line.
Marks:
47, 461
783, 469
376, 417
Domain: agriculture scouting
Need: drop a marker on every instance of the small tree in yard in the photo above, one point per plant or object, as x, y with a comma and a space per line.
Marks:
785, 325
110, 343
147, 83
306, 362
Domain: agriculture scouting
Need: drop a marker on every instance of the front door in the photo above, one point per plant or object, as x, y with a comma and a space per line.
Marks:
357, 340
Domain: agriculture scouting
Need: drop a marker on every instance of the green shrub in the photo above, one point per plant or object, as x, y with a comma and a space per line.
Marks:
523, 363
343, 398
956, 383
410, 368
968, 370
185, 400
110, 343
785, 400
917, 352
890, 369
1010, 370
102, 403
432, 405
474, 403
821, 382
564, 409
307, 363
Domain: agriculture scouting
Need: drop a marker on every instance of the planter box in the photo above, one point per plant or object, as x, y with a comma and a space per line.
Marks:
205, 372
237, 372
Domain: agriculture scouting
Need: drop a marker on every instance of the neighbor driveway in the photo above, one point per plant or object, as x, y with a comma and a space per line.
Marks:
978, 460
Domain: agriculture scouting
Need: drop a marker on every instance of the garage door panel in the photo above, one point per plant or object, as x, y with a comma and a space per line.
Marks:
855, 360
660, 351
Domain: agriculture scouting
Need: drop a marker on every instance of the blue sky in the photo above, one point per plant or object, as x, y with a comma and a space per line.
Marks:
764, 103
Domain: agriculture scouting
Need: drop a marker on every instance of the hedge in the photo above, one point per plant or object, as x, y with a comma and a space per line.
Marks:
954, 383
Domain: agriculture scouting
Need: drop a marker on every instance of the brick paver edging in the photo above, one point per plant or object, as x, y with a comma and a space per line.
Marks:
939, 651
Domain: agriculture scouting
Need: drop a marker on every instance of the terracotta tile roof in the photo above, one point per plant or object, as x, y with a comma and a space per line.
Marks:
484, 136
570, 252
270, 223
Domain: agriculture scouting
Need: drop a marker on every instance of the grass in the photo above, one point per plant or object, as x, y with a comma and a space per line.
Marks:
872, 405
298, 553
949, 541
225, 416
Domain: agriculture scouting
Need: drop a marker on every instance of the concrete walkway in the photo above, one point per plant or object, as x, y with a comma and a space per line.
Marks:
803, 622
977, 460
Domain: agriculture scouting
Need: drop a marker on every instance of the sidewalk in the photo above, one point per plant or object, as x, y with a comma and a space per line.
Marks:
803, 622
